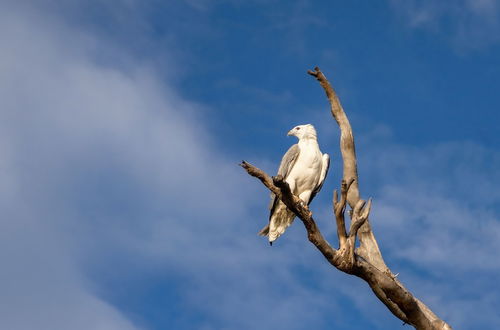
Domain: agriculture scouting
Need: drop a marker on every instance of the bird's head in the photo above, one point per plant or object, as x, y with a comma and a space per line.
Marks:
303, 132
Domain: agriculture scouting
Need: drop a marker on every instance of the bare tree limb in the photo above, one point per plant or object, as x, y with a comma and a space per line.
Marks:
385, 285
366, 262
282, 191
368, 245
339, 210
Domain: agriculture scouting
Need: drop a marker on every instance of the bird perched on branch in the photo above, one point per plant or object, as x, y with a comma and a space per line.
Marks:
304, 168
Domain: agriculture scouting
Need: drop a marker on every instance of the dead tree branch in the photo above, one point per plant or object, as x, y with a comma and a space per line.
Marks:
281, 189
368, 248
365, 262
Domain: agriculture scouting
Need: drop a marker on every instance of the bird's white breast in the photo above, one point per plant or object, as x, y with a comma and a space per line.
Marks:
307, 169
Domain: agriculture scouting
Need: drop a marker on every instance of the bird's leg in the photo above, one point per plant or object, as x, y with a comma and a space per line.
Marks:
305, 196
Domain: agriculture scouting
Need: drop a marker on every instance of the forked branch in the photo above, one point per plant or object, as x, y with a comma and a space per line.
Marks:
282, 191
368, 249
366, 261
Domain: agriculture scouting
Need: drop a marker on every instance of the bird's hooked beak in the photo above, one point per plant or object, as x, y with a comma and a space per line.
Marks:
290, 132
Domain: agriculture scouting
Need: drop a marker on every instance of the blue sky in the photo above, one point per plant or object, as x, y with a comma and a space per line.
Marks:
122, 124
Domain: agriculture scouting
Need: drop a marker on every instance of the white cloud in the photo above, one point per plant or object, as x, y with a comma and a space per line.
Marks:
105, 169
77, 139
107, 173
468, 24
437, 220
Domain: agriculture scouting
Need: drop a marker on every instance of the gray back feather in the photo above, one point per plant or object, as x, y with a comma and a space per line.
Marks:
289, 160
286, 165
285, 168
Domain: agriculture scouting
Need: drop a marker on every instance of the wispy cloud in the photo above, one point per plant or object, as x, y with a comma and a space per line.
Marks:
108, 174
110, 180
468, 24
437, 219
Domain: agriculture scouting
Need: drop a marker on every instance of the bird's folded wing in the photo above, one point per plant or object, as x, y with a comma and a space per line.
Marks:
325, 166
285, 168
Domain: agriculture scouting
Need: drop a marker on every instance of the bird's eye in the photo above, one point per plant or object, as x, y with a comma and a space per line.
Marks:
297, 128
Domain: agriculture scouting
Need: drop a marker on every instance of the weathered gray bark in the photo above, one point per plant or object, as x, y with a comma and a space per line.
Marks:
365, 261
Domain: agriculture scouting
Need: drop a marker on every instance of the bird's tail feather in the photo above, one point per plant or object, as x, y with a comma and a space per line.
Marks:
279, 222
264, 231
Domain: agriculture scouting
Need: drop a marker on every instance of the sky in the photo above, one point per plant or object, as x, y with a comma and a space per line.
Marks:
122, 124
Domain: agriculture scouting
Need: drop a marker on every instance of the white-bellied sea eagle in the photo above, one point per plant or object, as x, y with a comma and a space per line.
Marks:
304, 168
